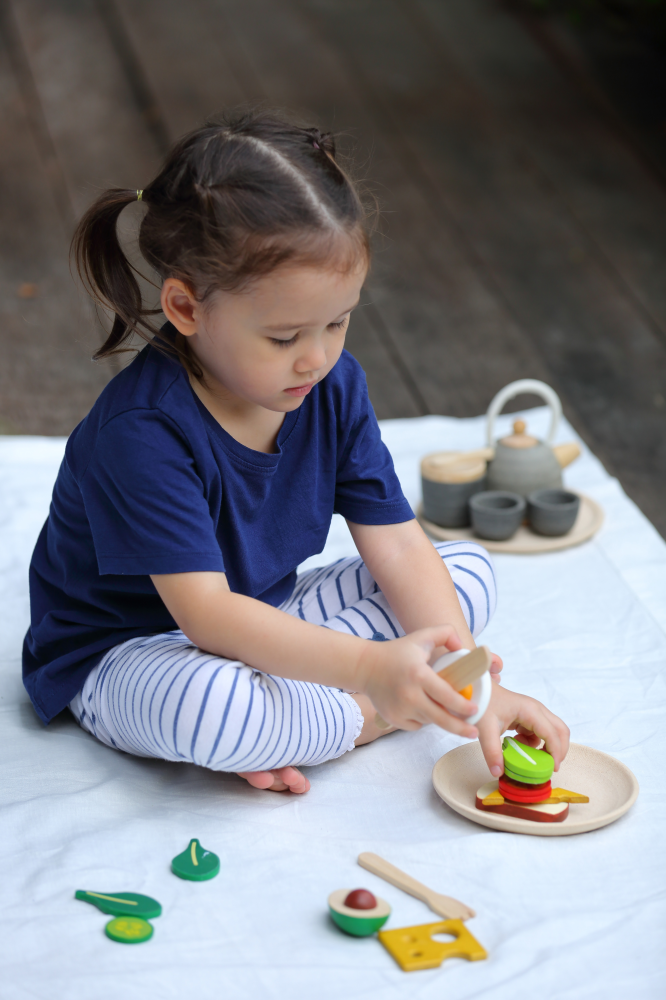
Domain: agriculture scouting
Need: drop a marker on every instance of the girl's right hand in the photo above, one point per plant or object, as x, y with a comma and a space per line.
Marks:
406, 691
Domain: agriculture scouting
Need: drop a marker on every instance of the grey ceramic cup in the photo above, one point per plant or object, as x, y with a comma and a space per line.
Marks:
552, 512
445, 504
496, 514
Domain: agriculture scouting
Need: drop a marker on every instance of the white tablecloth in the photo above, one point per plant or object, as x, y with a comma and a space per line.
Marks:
575, 917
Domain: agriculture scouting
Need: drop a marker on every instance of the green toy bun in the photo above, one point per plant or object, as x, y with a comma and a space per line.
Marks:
360, 923
524, 763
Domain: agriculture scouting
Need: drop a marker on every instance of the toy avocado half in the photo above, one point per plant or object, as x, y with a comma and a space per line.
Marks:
360, 923
524, 763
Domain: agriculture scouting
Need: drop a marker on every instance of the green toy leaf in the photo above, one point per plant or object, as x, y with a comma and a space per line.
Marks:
121, 904
196, 863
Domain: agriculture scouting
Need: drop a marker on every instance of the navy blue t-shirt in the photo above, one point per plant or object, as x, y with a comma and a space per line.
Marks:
151, 483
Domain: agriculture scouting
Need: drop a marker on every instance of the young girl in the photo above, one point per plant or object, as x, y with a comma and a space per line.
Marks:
166, 609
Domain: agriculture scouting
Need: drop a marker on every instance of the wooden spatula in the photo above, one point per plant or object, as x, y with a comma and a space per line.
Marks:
444, 906
464, 671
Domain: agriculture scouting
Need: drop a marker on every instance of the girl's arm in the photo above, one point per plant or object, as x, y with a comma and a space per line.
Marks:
413, 578
396, 676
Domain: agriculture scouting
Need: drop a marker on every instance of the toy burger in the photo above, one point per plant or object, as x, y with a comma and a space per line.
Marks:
524, 790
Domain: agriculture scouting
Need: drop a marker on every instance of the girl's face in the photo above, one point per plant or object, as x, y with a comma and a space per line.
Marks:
270, 344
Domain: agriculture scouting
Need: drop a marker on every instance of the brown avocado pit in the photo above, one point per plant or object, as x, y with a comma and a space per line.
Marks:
352, 920
360, 899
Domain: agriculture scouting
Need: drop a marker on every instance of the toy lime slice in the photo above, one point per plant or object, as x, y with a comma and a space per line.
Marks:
128, 930
524, 763
121, 904
196, 863
522, 778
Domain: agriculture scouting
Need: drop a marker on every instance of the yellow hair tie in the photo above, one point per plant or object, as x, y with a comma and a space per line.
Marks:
139, 194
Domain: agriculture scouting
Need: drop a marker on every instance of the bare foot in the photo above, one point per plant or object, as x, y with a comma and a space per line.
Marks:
282, 779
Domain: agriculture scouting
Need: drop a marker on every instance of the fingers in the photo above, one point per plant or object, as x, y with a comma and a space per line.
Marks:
511, 711
490, 738
496, 665
441, 635
440, 691
531, 718
541, 723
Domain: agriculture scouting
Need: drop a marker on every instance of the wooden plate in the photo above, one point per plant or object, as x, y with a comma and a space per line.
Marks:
611, 786
589, 520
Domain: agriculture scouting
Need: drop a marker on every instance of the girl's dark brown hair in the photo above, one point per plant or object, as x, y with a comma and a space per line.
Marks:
235, 199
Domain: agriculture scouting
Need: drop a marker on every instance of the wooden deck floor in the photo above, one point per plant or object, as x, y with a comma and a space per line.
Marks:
523, 235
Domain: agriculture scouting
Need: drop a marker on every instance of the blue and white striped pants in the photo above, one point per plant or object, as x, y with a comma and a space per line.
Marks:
161, 696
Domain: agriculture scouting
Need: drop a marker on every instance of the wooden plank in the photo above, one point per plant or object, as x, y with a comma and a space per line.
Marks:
96, 128
190, 58
425, 293
98, 110
596, 343
47, 381
213, 71
614, 201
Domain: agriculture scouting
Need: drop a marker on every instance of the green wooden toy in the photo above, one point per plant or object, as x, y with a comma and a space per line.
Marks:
122, 904
524, 763
361, 921
196, 863
129, 930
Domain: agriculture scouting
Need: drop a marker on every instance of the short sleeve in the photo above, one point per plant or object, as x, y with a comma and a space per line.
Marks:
145, 502
367, 488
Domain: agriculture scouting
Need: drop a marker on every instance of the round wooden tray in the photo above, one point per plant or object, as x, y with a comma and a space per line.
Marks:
589, 520
610, 785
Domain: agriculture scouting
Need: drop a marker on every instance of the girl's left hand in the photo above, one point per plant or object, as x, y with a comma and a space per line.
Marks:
508, 710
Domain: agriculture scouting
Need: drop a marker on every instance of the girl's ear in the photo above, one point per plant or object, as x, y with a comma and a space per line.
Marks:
180, 306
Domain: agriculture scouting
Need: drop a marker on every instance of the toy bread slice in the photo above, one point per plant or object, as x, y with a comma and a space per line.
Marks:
544, 812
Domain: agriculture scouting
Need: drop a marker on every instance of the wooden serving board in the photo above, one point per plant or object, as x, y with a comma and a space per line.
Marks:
525, 541
610, 785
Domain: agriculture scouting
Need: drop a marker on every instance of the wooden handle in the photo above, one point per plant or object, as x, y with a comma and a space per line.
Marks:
444, 906
467, 669
464, 671
373, 863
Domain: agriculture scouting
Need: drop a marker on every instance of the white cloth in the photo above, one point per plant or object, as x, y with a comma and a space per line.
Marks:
580, 918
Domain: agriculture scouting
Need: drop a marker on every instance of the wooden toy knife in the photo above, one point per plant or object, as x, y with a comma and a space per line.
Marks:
444, 906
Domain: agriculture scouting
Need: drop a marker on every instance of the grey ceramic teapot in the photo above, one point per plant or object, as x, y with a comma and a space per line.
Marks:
522, 463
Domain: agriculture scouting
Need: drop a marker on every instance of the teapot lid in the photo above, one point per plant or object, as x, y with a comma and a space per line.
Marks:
519, 439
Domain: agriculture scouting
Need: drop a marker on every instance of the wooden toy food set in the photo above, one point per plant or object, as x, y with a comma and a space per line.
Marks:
524, 790
511, 489
132, 912
359, 913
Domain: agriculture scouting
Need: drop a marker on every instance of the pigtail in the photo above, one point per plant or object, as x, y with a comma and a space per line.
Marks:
107, 273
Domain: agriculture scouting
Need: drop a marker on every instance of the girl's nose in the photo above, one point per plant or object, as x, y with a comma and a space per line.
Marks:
311, 360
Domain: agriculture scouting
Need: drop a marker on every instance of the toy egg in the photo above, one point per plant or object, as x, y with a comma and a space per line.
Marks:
479, 692
359, 918
526, 764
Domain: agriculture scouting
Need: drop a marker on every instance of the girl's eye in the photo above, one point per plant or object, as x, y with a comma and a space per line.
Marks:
285, 343
338, 326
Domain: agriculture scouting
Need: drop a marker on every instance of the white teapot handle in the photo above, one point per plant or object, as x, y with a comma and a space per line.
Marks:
514, 389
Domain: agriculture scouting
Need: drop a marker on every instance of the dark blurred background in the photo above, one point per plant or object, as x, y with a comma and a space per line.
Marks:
518, 150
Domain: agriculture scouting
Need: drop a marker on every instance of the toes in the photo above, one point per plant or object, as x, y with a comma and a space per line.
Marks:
293, 779
280, 780
258, 779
